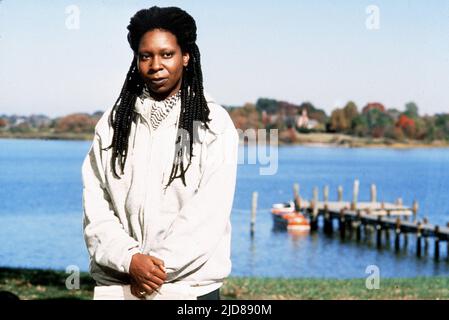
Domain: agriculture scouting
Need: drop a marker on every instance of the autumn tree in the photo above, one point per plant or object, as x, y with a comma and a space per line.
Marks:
245, 117
76, 123
3, 123
339, 122
407, 125
350, 110
349, 113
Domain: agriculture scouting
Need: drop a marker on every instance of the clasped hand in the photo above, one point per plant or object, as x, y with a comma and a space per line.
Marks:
147, 274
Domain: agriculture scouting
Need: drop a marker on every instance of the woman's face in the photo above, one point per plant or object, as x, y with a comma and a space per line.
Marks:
160, 62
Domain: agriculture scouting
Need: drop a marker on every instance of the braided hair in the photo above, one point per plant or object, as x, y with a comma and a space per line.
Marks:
193, 103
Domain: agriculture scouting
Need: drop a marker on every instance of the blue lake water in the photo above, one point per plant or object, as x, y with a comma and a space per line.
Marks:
41, 212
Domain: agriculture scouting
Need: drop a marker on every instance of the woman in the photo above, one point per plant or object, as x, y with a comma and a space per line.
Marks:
159, 178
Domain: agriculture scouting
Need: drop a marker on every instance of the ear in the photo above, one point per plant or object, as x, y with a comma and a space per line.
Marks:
185, 59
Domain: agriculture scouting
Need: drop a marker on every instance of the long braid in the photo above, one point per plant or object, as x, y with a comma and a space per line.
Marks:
122, 116
193, 108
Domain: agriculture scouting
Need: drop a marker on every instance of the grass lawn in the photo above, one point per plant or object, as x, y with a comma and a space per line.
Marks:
49, 284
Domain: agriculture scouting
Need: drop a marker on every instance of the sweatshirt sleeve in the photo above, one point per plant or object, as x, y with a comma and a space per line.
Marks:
107, 241
201, 223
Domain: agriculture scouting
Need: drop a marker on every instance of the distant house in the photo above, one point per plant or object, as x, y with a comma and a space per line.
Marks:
268, 118
303, 121
38, 120
285, 114
16, 121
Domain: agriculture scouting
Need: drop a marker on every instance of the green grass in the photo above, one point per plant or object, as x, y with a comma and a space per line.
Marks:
49, 284
305, 289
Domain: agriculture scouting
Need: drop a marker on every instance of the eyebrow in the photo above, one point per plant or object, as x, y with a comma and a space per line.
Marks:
160, 50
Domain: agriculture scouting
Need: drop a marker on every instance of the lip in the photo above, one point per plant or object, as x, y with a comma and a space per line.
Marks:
158, 81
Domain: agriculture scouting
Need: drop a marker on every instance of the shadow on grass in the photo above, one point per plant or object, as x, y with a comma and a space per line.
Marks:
40, 284
43, 277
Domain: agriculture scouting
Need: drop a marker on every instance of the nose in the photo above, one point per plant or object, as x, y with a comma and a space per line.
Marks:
155, 64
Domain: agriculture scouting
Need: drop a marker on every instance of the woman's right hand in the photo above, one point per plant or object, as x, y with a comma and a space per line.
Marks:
147, 274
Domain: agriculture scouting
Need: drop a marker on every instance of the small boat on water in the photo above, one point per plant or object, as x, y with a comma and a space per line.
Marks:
285, 217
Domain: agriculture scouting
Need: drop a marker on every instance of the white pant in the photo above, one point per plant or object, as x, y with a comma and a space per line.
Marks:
167, 292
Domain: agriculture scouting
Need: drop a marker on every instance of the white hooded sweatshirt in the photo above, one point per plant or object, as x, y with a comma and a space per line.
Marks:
188, 227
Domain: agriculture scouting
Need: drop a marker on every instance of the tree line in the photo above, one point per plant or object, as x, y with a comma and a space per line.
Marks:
374, 120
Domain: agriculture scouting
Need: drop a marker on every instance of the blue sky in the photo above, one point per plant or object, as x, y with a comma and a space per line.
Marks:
318, 51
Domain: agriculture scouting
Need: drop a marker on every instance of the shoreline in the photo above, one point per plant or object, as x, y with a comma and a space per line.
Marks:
319, 140
347, 141
43, 284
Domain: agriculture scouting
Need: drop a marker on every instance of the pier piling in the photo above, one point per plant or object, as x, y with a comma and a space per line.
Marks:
340, 193
379, 232
326, 194
357, 219
426, 240
397, 237
358, 229
447, 244
355, 194
437, 243
373, 193
297, 197
415, 210
342, 224
418, 240
253, 214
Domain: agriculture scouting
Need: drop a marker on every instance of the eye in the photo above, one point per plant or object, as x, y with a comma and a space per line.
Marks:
168, 54
144, 57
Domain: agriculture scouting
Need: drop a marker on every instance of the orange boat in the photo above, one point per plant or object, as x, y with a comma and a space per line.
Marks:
285, 217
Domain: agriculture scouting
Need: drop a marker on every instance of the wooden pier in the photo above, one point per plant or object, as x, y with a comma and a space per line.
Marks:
387, 221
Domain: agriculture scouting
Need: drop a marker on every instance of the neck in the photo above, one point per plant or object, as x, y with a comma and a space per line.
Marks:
161, 97
166, 95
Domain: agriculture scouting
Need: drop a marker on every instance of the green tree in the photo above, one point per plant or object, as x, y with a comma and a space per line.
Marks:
394, 113
376, 118
373, 122
442, 126
361, 127
23, 127
429, 124
267, 105
411, 110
